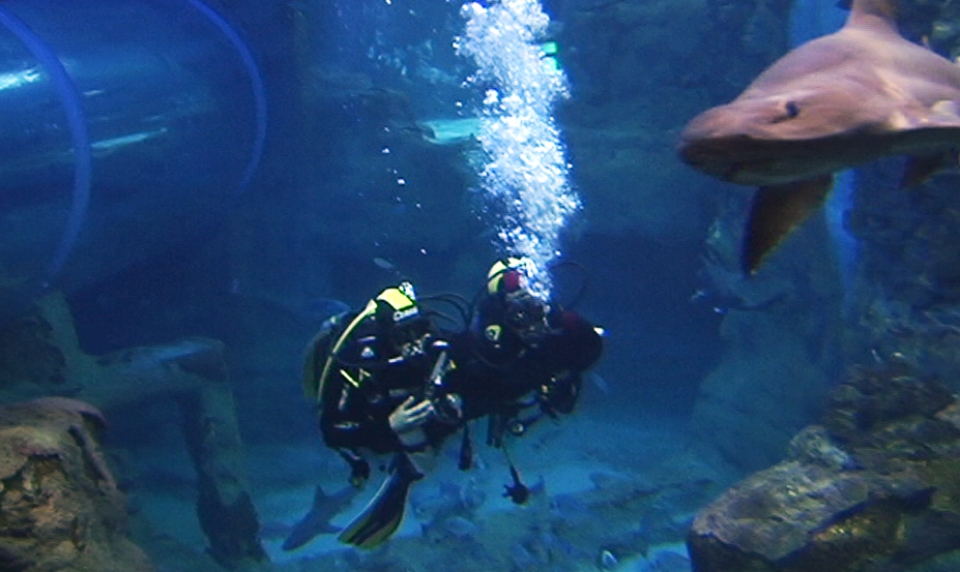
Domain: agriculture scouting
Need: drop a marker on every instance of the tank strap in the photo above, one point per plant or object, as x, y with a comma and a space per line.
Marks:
368, 311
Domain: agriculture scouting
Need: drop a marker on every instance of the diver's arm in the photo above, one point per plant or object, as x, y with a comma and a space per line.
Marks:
575, 348
352, 434
579, 343
346, 423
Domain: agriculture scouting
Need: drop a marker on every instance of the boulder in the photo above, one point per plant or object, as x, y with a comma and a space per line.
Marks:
60, 509
875, 488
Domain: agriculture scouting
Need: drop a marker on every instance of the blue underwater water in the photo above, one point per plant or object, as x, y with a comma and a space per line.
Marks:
190, 173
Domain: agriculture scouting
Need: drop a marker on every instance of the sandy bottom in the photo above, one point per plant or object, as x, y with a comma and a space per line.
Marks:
561, 460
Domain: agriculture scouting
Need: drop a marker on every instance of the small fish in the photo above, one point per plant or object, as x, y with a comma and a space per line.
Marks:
698, 295
315, 311
471, 495
304, 311
383, 263
107, 146
461, 528
608, 561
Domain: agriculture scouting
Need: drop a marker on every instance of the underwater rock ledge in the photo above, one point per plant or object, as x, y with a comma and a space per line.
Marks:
875, 488
40, 356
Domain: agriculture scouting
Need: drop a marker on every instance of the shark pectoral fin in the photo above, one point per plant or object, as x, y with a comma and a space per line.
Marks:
775, 212
920, 168
945, 113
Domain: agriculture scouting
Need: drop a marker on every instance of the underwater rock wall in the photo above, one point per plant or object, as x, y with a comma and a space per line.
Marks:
766, 387
908, 287
368, 183
375, 188
783, 343
872, 488
59, 504
639, 71
40, 356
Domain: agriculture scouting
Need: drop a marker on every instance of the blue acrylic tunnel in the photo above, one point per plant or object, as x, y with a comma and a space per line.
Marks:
127, 128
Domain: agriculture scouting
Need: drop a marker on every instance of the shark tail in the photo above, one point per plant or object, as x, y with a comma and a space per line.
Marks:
383, 515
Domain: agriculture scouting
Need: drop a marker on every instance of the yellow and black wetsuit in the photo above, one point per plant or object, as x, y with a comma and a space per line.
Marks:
365, 364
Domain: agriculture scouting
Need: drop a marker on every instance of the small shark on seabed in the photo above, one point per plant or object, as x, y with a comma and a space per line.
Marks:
317, 520
838, 101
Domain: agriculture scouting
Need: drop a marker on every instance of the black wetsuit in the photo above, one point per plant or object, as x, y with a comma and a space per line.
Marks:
356, 415
495, 377
491, 379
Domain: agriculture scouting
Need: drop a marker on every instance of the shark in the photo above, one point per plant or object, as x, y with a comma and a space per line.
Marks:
317, 519
836, 102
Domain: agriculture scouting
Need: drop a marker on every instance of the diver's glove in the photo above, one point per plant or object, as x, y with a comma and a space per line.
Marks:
407, 422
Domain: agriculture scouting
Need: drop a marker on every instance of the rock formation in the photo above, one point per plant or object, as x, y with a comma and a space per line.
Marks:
40, 356
872, 489
60, 509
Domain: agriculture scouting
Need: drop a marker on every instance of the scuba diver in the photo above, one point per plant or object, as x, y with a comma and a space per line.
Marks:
371, 373
389, 380
521, 359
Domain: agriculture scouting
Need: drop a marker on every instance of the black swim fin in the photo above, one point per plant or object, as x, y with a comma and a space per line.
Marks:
384, 513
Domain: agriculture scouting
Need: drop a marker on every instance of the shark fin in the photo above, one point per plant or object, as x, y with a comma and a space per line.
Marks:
320, 501
383, 515
317, 520
920, 168
311, 525
777, 210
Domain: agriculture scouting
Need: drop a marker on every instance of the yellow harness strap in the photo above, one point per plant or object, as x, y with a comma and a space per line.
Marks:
366, 313
400, 302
